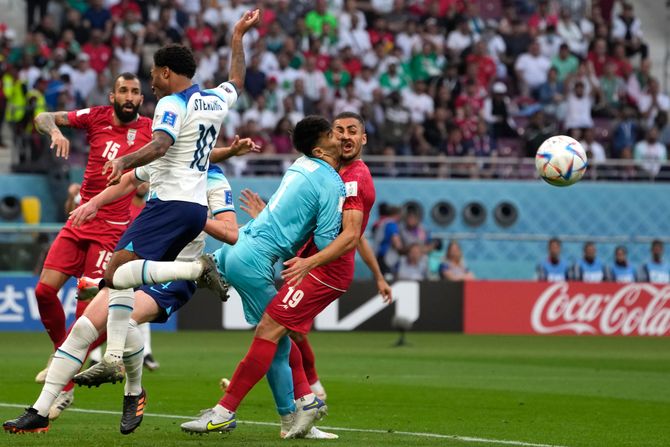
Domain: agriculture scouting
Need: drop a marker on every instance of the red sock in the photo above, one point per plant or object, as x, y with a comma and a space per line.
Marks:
308, 359
81, 307
249, 372
51, 313
300, 384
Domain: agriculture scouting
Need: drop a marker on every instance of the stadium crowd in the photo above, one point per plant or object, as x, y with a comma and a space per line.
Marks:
441, 77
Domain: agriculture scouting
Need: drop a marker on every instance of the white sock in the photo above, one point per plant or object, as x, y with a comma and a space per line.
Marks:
66, 362
222, 411
317, 387
133, 357
145, 328
96, 354
121, 304
141, 272
307, 398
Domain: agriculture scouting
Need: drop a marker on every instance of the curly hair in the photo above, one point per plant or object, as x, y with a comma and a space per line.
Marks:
307, 133
177, 58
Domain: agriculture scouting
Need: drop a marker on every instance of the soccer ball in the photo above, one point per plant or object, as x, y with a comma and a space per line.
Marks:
561, 161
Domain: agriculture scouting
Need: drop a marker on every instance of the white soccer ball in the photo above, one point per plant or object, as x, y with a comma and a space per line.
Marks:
561, 161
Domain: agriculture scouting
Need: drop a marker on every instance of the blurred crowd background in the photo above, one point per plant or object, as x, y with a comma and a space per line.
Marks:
454, 78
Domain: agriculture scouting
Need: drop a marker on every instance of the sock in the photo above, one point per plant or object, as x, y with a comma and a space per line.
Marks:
51, 312
81, 307
96, 354
133, 357
308, 360
249, 372
145, 329
120, 307
280, 378
222, 411
66, 362
300, 384
141, 272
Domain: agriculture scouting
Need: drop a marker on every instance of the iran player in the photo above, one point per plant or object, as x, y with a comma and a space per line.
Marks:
186, 125
112, 131
305, 294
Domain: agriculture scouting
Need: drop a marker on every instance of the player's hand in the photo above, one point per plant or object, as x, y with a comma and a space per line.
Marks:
243, 146
385, 291
252, 203
248, 20
60, 143
117, 167
83, 213
297, 269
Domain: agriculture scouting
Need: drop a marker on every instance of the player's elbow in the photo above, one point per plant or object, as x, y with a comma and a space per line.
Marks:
352, 236
232, 236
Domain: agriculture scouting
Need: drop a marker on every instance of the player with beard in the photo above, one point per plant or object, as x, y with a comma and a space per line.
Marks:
313, 280
112, 131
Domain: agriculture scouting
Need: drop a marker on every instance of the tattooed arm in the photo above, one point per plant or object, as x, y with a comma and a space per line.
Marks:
153, 150
47, 123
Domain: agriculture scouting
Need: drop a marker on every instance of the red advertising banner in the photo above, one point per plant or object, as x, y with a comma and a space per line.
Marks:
515, 307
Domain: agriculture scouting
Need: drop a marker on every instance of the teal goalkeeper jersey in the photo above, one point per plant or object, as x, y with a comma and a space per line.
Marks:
308, 201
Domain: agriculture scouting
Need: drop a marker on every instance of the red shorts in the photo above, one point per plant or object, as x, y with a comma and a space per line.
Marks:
296, 307
85, 250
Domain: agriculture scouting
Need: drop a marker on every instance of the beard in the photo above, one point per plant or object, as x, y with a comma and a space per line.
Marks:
123, 115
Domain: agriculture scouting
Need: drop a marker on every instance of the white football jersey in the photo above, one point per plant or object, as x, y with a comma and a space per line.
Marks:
192, 118
219, 200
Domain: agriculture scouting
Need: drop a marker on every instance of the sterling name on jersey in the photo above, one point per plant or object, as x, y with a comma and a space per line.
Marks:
192, 118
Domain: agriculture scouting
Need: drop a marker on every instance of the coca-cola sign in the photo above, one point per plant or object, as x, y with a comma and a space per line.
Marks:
567, 308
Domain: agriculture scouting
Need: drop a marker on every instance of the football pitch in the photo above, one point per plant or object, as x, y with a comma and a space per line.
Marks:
442, 389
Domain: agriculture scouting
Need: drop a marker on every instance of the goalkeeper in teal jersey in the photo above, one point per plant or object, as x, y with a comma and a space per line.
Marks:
308, 201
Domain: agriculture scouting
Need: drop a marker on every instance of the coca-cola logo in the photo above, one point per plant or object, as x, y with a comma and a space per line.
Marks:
634, 309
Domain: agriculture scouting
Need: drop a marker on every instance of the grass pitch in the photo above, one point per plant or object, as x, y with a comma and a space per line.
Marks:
519, 391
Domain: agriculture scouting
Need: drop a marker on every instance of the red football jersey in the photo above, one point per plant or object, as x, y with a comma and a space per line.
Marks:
360, 196
107, 142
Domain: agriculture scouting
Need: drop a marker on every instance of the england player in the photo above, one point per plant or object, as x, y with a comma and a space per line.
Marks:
152, 304
312, 283
307, 202
185, 127
112, 131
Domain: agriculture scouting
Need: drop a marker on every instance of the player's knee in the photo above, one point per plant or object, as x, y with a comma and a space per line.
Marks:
45, 292
269, 329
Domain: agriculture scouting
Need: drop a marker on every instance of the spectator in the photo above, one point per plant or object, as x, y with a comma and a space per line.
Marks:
626, 134
414, 265
653, 101
393, 80
550, 43
460, 39
98, 17
621, 270
589, 268
281, 136
265, 118
337, 77
542, 18
413, 232
571, 33
427, 64
539, 128
409, 40
98, 52
578, 108
99, 96
565, 63
83, 79
595, 151
656, 270
453, 267
551, 95
531, 69
627, 28
319, 16
419, 103
597, 57
650, 153
612, 92
398, 120
388, 243
348, 101
355, 37
128, 55
553, 269
365, 84
498, 111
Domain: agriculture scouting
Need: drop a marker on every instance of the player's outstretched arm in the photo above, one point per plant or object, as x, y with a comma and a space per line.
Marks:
238, 148
153, 150
88, 210
47, 123
370, 260
238, 67
298, 268
223, 227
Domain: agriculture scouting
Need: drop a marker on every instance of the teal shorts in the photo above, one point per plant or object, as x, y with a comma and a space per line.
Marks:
250, 272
